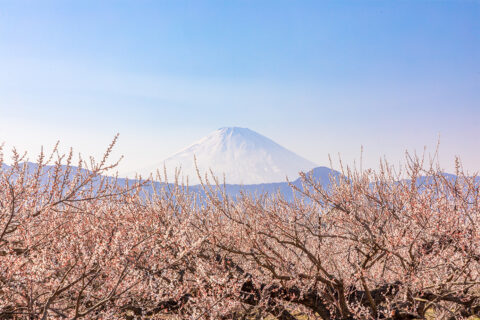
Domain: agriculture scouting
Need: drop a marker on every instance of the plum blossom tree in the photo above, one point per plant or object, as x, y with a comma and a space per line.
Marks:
373, 245
75, 243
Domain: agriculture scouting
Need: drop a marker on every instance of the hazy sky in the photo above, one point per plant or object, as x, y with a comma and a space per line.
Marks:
318, 77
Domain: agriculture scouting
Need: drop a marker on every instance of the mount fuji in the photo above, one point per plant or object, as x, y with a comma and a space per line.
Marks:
242, 155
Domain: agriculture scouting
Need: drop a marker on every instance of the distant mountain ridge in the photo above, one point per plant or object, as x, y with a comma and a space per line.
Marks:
322, 175
242, 155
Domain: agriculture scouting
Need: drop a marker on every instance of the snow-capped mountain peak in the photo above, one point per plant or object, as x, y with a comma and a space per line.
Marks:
242, 155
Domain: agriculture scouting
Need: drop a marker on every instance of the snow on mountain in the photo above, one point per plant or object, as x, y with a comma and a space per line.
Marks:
243, 155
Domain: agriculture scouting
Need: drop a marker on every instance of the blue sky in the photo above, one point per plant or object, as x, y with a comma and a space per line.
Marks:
318, 77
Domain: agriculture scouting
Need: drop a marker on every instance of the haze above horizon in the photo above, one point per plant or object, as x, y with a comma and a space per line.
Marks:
319, 78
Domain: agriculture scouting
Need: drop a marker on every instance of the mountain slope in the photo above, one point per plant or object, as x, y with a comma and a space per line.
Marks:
243, 155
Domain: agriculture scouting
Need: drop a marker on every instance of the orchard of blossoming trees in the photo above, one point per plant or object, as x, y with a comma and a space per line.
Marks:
75, 244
